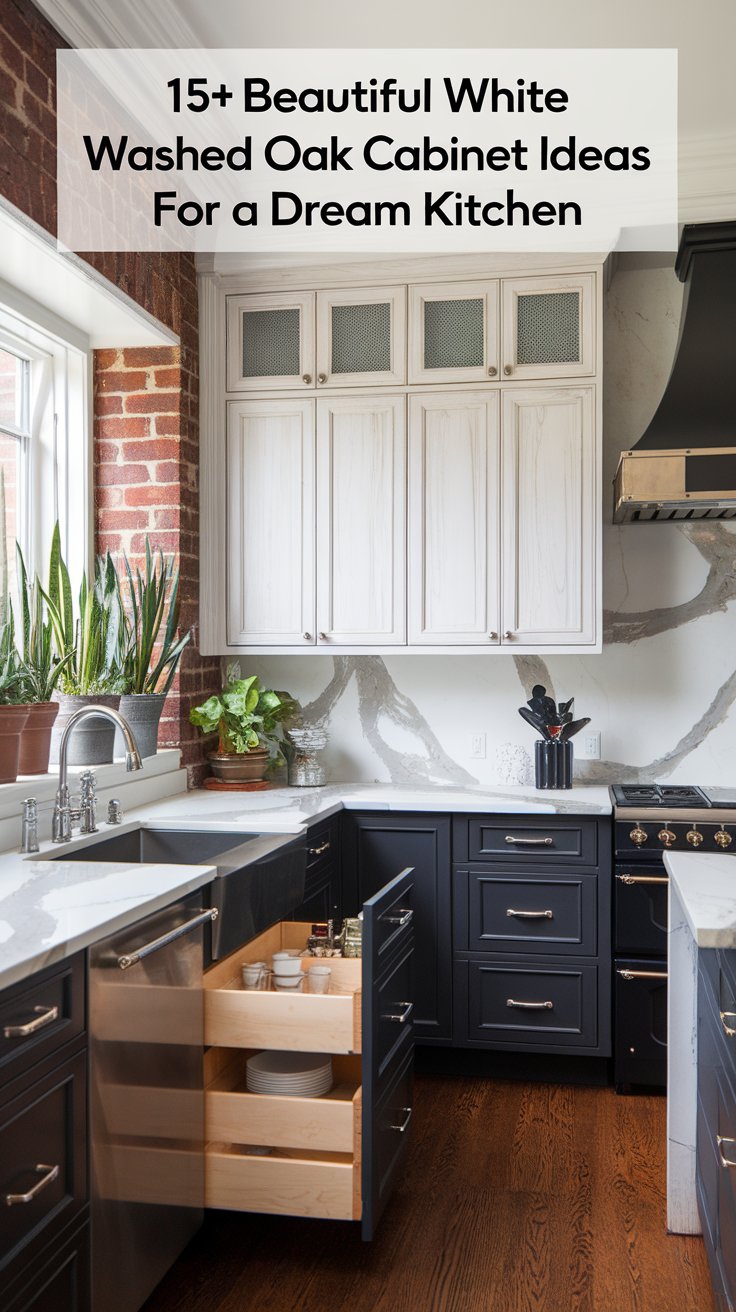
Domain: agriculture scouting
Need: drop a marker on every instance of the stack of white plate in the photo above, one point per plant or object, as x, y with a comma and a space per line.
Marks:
296, 1074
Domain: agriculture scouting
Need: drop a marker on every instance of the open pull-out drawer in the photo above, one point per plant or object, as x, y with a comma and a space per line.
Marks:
333, 1156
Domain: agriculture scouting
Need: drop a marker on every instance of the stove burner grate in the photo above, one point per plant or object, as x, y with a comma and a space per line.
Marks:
659, 795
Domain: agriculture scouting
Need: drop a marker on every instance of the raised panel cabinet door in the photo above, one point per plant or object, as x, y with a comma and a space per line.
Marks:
548, 327
270, 341
549, 517
270, 523
361, 337
361, 520
454, 519
453, 332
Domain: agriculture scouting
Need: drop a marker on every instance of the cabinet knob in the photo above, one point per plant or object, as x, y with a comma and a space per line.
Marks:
306, 378
492, 371
493, 637
508, 634
321, 378
323, 637
307, 637
508, 369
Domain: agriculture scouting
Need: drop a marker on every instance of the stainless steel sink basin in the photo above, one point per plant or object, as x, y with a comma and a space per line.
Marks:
168, 846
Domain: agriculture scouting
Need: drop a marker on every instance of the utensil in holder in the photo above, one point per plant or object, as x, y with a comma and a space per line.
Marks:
553, 764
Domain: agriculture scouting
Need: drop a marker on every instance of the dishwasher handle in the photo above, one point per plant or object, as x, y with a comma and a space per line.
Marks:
131, 959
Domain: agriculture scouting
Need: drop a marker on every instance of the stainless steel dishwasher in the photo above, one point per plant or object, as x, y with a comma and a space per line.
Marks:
147, 1101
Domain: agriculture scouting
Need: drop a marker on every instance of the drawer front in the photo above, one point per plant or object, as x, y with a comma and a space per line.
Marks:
534, 839
61, 1284
707, 1113
525, 1004
640, 903
640, 1011
321, 895
42, 1154
394, 1007
39, 1015
386, 1139
322, 846
283, 1184
726, 1128
507, 912
717, 996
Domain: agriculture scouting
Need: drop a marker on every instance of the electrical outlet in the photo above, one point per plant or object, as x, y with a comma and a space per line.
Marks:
478, 745
590, 745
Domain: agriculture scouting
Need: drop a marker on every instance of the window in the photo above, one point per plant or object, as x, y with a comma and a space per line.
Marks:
44, 447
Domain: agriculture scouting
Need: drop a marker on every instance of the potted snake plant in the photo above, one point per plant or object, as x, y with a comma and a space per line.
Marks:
40, 668
89, 644
249, 722
13, 708
151, 643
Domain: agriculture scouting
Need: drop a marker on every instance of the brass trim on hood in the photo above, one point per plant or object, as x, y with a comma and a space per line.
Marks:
653, 481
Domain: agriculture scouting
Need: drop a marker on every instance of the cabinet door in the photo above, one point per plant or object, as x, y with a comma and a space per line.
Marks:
453, 332
454, 495
387, 1065
549, 517
374, 847
361, 520
270, 341
270, 523
548, 327
361, 337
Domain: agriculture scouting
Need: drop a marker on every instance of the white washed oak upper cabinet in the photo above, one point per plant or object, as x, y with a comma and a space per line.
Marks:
270, 341
453, 332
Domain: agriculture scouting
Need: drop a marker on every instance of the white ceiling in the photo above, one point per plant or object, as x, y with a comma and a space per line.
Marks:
704, 32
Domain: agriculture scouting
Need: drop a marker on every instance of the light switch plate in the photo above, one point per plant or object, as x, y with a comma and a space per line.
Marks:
478, 745
590, 745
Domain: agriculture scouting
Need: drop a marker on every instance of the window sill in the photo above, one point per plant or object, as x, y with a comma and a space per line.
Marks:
109, 777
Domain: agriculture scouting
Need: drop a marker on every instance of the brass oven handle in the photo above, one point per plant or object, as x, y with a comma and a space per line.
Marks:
530, 1006
131, 959
720, 1140
728, 1015
405, 1123
51, 1174
402, 918
323, 847
44, 1016
529, 915
643, 879
642, 974
401, 1017
530, 842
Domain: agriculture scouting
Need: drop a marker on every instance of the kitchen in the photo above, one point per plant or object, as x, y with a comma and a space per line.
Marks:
530, 1176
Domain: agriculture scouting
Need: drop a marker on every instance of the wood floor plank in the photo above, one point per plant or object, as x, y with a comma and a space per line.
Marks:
516, 1197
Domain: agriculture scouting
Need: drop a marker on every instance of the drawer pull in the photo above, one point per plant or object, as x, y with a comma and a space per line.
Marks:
405, 1123
402, 917
51, 1174
323, 847
530, 1006
728, 1015
44, 1016
530, 915
643, 879
530, 842
642, 974
401, 1017
720, 1140
131, 959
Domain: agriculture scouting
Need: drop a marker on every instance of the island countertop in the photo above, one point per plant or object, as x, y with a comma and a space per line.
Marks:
706, 889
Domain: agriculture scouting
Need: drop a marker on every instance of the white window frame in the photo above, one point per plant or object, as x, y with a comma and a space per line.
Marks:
57, 462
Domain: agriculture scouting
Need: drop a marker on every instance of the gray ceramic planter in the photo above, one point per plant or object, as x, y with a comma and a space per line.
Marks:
142, 710
92, 741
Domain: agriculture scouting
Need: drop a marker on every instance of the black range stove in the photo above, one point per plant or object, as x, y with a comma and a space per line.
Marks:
649, 820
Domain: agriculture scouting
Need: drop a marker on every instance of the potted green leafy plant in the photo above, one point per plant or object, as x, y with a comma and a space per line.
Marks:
249, 721
40, 672
92, 642
152, 646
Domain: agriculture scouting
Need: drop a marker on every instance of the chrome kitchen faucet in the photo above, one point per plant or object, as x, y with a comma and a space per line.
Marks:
61, 825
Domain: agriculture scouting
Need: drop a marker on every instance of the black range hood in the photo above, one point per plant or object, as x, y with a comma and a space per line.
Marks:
684, 467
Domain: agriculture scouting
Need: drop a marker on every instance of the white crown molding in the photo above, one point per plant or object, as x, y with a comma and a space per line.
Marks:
136, 24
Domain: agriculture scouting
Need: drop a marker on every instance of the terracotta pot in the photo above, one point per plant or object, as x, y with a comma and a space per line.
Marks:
92, 741
35, 743
246, 767
12, 721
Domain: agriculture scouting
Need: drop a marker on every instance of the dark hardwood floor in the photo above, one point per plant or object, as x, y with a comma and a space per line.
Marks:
518, 1197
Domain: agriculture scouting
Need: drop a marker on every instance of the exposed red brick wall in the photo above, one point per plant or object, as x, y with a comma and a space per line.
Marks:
146, 400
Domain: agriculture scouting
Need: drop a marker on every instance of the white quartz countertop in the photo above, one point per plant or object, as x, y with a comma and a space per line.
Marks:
706, 888
51, 909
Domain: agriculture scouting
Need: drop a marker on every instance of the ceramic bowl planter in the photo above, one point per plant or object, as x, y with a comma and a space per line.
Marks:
93, 740
240, 767
12, 723
35, 743
142, 710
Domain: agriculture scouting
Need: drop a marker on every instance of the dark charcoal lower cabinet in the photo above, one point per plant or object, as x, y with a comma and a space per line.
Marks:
374, 847
716, 1125
322, 882
44, 1253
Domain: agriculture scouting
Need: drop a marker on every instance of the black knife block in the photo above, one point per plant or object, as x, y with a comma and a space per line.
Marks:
553, 764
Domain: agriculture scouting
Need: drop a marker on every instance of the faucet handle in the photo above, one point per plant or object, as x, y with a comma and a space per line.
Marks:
114, 812
88, 785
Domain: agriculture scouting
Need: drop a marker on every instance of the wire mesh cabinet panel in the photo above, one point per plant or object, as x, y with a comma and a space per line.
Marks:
361, 337
453, 332
270, 341
548, 327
